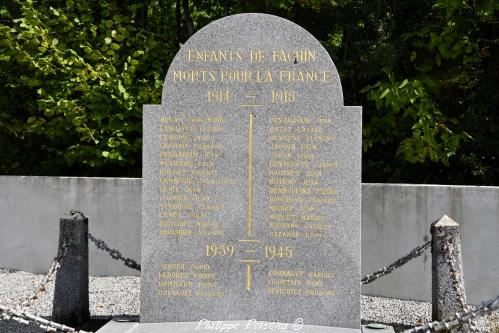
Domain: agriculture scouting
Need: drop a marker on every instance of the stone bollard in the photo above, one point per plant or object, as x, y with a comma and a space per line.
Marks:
448, 295
71, 305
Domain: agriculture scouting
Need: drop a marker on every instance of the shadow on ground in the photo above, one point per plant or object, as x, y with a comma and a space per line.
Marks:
93, 325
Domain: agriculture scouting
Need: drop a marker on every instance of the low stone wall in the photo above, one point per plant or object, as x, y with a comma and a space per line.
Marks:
30, 208
395, 219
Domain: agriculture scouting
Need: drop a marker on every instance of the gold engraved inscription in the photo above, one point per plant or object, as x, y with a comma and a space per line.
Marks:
296, 171
191, 156
179, 279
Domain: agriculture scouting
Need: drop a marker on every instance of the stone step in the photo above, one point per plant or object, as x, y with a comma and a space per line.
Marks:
117, 326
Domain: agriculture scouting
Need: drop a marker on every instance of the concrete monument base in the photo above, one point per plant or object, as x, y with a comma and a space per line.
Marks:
118, 326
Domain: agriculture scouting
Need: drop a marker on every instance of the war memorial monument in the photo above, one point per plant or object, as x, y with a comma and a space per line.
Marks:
251, 186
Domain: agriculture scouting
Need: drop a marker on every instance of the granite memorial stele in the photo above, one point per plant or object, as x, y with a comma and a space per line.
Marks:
251, 182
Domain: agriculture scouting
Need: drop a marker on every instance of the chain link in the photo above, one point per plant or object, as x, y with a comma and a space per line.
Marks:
23, 317
459, 319
56, 264
416, 252
115, 254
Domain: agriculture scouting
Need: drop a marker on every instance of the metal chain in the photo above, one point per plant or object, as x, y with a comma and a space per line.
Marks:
115, 254
56, 263
416, 252
23, 317
459, 319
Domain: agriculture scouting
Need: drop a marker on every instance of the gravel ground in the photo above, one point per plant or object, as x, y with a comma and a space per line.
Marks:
119, 296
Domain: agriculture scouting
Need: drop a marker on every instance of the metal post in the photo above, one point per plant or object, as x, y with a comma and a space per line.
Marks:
71, 305
448, 295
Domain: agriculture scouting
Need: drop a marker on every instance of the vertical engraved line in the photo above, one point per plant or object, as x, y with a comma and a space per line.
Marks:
250, 177
248, 277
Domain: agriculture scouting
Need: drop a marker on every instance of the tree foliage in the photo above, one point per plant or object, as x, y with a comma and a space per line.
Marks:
75, 74
76, 77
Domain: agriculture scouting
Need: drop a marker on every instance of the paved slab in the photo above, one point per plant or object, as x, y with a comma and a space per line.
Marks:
231, 326
117, 326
